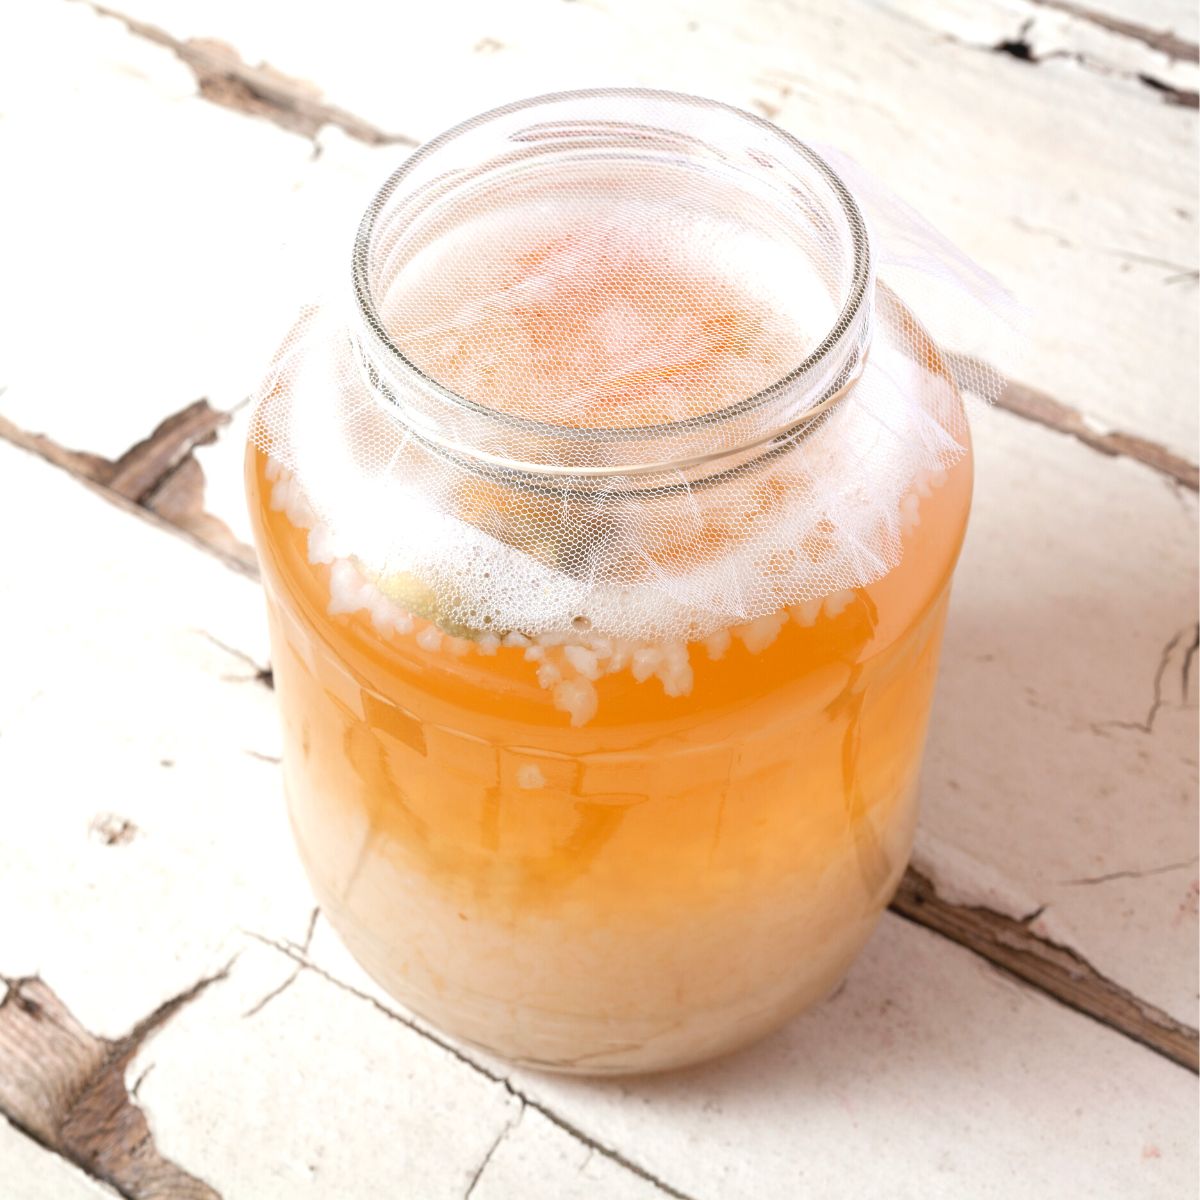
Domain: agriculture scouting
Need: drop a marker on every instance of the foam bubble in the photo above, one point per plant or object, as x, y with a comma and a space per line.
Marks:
828, 515
567, 662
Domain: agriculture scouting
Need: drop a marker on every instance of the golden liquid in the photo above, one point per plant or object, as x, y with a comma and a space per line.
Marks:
675, 877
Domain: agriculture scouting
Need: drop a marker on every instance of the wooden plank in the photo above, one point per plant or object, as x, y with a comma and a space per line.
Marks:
66, 1089
928, 1074
223, 78
133, 720
143, 467
538, 1160
1143, 945
1141, 927
146, 265
315, 1094
1034, 405
33, 1173
1170, 26
1107, 215
143, 747
195, 856
1136, 43
1061, 774
1066, 174
1044, 766
1010, 943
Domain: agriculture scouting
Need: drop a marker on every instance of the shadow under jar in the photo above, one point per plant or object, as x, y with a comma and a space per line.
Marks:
594, 757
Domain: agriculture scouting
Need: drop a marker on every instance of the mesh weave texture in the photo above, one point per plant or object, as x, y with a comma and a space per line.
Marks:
628, 361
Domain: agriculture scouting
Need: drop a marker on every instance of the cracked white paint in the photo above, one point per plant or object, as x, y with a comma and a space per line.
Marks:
1052, 32
316, 1095
1037, 798
961, 879
930, 1073
30, 1173
115, 702
536, 1160
1177, 16
1078, 569
158, 246
984, 145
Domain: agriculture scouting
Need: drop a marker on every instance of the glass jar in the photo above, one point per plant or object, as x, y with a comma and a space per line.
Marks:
605, 827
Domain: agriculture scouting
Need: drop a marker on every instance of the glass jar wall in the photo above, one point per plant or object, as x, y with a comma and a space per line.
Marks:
583, 847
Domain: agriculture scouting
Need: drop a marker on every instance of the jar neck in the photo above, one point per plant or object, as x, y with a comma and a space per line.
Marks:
581, 141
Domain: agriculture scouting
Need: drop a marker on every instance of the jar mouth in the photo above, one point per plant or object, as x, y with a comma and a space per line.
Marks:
599, 132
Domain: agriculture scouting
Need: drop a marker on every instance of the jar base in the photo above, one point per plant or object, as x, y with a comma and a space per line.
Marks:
688, 1040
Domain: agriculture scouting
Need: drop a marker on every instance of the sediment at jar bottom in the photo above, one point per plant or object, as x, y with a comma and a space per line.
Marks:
573, 993
557, 924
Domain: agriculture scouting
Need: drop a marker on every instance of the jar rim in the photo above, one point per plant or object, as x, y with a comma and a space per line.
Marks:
855, 298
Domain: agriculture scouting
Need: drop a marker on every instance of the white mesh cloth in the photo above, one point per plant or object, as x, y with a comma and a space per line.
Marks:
628, 361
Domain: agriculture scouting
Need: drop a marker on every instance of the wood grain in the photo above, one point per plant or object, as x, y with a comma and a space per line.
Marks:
259, 91
143, 467
1056, 970
66, 1089
1043, 409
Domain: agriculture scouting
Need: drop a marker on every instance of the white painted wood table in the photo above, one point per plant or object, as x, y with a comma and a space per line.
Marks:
178, 1021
